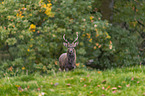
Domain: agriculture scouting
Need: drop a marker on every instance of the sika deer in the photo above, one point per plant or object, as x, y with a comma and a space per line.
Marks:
67, 60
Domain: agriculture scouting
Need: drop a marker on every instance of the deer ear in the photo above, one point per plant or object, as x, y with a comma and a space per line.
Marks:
65, 44
76, 44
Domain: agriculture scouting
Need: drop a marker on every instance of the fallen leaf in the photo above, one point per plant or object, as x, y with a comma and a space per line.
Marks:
90, 80
114, 91
91, 92
132, 78
51, 83
52, 90
119, 86
98, 85
17, 85
68, 84
114, 88
103, 88
88, 75
128, 85
99, 72
38, 89
108, 87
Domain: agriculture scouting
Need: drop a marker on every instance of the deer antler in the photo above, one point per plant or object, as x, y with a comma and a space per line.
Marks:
76, 38
64, 38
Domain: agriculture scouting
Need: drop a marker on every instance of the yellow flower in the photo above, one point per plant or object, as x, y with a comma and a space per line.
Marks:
83, 35
31, 39
32, 27
23, 68
97, 35
31, 46
40, 1
90, 40
49, 4
88, 35
30, 14
2, 2
108, 36
17, 14
28, 50
44, 6
96, 30
23, 8
48, 0
9, 17
48, 9
91, 17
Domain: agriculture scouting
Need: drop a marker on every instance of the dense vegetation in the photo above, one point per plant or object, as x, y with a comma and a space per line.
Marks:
31, 34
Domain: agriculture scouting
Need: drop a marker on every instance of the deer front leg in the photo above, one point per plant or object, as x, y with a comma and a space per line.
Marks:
66, 69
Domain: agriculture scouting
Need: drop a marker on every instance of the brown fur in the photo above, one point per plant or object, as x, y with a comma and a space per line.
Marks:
67, 61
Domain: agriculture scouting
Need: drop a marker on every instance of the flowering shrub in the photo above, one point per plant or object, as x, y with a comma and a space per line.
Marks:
31, 33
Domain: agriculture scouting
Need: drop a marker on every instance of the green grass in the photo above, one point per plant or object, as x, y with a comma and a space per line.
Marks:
124, 82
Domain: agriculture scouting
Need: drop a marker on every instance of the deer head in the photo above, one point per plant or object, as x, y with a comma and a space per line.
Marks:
70, 46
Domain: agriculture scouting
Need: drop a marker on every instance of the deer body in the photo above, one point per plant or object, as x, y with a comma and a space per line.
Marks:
67, 60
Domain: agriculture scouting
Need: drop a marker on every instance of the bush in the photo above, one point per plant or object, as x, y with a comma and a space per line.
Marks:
31, 32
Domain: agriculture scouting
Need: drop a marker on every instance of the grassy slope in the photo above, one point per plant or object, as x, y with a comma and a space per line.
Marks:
126, 81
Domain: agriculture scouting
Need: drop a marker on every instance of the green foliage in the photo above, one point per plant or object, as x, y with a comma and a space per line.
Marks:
130, 15
124, 82
126, 51
31, 32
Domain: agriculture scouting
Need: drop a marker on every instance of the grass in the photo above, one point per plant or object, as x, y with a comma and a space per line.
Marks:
124, 82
